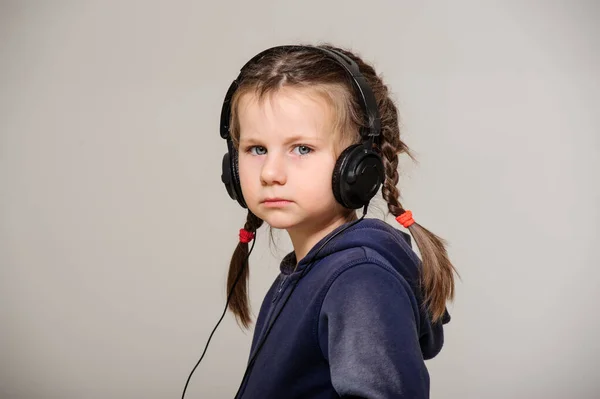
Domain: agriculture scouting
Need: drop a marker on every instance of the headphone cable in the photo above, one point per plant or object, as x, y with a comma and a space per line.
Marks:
245, 262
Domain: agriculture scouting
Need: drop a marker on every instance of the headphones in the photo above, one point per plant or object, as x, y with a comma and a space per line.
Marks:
358, 172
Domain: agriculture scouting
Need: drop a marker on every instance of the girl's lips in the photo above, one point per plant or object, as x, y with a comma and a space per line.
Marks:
276, 202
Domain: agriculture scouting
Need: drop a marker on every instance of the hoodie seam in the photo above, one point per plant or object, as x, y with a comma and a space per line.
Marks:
362, 261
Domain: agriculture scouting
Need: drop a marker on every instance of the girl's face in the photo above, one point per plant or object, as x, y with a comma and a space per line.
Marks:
286, 159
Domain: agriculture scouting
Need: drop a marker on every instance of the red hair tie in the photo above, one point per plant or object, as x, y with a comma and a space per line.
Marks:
406, 219
246, 236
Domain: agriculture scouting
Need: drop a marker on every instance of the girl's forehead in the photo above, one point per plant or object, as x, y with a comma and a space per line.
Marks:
287, 100
286, 111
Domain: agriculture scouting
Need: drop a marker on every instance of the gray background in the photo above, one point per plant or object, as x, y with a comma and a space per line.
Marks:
115, 230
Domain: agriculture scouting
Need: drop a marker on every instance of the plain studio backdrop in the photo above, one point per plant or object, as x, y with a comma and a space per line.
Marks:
116, 232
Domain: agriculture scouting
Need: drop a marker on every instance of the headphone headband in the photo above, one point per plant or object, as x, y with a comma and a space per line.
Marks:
362, 88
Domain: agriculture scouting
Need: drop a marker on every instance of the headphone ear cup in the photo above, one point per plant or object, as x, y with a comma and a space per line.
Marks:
336, 180
226, 177
357, 176
236, 179
230, 175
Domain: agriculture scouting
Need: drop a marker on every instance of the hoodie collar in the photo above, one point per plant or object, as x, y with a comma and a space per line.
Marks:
366, 232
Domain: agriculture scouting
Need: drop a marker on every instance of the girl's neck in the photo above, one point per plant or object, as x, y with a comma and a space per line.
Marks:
304, 240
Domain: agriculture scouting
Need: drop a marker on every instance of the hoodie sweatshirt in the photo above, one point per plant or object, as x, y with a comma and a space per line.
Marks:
354, 326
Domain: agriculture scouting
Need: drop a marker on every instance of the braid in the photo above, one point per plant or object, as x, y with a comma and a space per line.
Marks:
389, 189
253, 222
239, 303
437, 279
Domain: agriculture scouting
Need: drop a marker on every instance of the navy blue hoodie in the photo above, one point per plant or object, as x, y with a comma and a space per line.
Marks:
354, 326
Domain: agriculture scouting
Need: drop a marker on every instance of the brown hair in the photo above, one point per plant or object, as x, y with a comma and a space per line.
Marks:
306, 68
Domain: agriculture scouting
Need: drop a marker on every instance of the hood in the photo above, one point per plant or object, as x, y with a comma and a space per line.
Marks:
396, 248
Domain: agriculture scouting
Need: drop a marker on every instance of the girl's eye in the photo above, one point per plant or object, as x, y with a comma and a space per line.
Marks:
303, 150
257, 150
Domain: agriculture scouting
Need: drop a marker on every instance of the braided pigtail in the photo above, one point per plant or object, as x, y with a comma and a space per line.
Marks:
437, 278
239, 269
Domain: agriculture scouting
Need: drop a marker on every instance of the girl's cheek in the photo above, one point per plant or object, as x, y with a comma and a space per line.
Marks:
249, 164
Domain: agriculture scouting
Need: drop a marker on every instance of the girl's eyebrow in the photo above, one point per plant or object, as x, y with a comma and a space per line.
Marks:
249, 140
297, 138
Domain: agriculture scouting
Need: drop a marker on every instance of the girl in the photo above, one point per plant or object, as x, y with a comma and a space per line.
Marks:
312, 135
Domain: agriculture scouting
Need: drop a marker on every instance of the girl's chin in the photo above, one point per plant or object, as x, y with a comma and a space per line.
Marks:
280, 223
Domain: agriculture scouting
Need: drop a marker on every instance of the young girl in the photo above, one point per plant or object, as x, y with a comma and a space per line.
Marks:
312, 136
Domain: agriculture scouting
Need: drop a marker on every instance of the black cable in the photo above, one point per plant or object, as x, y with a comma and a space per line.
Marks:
223, 315
304, 272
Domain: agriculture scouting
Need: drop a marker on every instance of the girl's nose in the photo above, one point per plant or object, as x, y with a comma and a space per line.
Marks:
273, 170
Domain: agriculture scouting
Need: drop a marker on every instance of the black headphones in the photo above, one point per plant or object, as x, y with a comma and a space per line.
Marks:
358, 173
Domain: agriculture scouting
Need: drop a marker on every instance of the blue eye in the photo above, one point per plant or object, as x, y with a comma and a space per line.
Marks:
303, 150
259, 150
